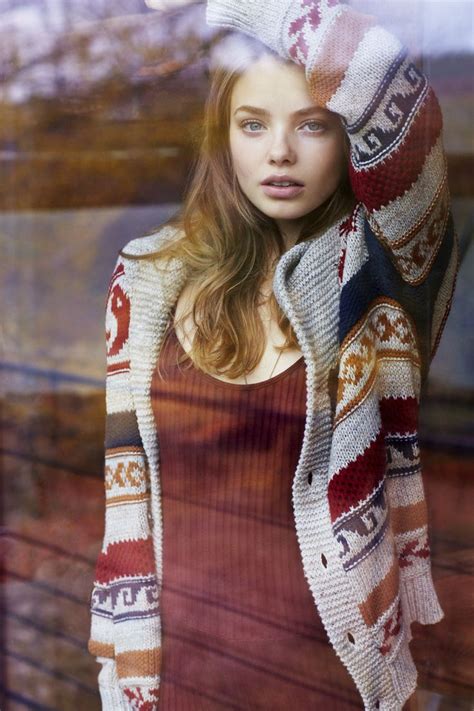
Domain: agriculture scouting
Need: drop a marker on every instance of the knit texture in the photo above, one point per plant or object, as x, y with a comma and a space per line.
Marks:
227, 457
368, 301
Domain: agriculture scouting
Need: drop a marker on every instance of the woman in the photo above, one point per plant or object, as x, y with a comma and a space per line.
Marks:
266, 536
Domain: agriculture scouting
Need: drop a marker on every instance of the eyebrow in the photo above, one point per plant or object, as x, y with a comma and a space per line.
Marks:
263, 112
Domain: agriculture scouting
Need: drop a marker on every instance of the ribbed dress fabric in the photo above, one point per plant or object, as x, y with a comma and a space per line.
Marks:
228, 453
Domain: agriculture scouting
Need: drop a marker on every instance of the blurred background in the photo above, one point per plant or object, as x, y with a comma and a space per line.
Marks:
99, 106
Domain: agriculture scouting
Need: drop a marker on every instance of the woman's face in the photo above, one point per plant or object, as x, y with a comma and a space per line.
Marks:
277, 138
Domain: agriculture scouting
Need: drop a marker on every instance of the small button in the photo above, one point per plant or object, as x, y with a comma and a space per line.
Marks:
350, 637
310, 477
324, 560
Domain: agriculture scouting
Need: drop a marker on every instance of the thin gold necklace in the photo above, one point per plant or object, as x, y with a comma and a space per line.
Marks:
273, 369
245, 376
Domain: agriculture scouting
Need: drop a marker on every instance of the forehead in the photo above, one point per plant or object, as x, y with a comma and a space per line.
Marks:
275, 86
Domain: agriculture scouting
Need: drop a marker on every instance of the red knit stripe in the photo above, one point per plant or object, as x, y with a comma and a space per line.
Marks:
118, 272
115, 368
399, 415
355, 482
120, 307
391, 179
125, 558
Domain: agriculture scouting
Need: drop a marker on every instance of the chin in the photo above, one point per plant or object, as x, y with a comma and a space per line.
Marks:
285, 214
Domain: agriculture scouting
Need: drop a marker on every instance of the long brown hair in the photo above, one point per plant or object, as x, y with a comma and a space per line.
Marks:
230, 246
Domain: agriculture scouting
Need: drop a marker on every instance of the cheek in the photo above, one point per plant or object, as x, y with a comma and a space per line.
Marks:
329, 164
244, 157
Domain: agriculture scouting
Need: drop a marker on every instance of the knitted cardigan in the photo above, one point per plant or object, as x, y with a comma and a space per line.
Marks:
368, 301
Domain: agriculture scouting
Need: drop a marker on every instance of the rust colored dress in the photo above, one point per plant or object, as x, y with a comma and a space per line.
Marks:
240, 629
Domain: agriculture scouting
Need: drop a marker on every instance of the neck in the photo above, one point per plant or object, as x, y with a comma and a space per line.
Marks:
290, 234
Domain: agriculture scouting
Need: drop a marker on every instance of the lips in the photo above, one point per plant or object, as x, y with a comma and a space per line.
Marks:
282, 192
277, 180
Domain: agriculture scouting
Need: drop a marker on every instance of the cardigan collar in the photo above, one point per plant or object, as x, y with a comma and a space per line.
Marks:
306, 287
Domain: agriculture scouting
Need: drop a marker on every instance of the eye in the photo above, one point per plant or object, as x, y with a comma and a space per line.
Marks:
315, 123
249, 122
252, 122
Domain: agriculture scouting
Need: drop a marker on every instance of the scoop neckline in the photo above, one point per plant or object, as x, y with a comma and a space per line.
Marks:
235, 386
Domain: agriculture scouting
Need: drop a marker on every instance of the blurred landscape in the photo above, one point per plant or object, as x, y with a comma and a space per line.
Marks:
107, 111
100, 113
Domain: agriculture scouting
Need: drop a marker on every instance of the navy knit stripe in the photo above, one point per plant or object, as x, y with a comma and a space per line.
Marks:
121, 430
401, 111
379, 277
379, 94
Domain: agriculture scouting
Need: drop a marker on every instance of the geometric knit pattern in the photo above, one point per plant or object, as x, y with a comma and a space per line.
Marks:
124, 599
385, 278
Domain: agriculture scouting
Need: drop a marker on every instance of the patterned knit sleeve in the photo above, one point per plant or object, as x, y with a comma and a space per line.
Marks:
125, 626
361, 71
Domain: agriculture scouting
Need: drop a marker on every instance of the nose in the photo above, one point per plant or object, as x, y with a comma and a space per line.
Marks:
281, 149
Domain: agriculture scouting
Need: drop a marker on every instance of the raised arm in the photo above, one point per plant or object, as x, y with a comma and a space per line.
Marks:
125, 628
361, 71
